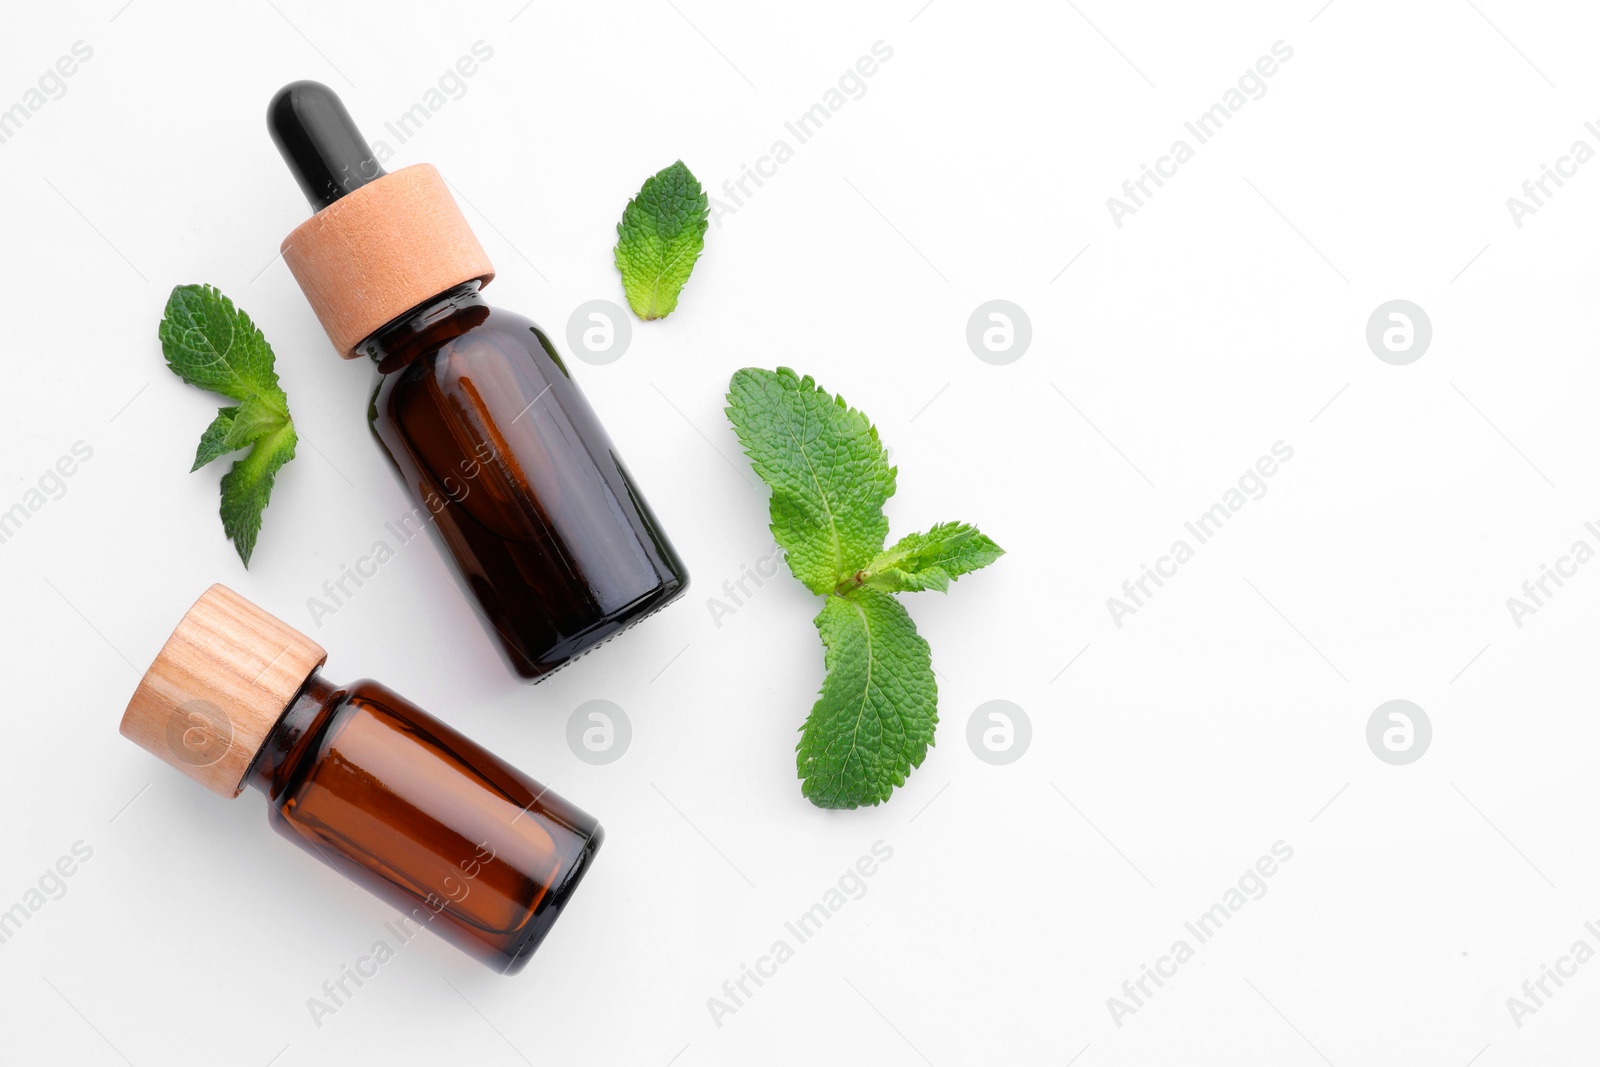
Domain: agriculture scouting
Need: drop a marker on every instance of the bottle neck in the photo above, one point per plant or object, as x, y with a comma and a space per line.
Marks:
293, 734
426, 327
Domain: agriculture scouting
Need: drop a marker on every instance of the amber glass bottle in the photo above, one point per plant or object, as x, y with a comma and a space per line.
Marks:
525, 490
365, 781
508, 464
408, 808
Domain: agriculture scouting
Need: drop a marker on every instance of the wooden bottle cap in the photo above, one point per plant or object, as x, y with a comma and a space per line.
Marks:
381, 250
217, 687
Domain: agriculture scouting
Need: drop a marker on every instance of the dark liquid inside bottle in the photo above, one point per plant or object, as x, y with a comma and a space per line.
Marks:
517, 480
407, 808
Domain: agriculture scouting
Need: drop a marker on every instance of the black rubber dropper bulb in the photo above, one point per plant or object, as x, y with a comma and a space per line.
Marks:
319, 140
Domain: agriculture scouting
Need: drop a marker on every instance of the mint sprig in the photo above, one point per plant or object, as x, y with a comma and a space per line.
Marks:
661, 235
209, 343
830, 478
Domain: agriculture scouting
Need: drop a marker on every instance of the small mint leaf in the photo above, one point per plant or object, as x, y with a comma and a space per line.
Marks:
660, 237
248, 486
929, 560
213, 443
235, 427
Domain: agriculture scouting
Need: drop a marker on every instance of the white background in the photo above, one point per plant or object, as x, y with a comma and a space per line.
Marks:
1228, 714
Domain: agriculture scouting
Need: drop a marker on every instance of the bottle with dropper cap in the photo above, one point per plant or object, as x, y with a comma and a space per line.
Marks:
509, 466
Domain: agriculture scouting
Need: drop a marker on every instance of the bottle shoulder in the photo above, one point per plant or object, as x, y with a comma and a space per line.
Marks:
311, 728
501, 364
370, 691
479, 332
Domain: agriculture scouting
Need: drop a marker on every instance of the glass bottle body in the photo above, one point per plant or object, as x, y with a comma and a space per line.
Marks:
406, 807
517, 480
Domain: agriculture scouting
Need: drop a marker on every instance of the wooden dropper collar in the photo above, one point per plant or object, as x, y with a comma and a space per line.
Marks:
379, 244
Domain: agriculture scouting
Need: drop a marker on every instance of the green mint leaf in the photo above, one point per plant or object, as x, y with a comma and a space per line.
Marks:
875, 718
214, 442
661, 234
929, 560
235, 427
828, 472
210, 343
248, 486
